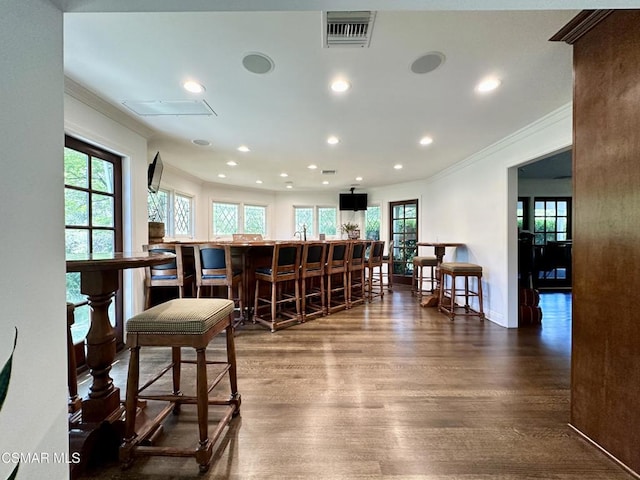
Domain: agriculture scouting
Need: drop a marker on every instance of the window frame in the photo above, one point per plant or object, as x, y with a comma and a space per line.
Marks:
240, 215
92, 151
313, 230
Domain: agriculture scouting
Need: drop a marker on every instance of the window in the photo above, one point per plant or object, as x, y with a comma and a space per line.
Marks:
158, 206
255, 219
323, 220
552, 218
522, 211
182, 216
304, 219
372, 223
226, 218
327, 220
230, 218
178, 220
93, 219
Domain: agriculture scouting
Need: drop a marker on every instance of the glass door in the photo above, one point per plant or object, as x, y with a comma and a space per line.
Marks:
404, 233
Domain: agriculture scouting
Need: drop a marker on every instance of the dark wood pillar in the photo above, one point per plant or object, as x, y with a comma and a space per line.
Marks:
605, 378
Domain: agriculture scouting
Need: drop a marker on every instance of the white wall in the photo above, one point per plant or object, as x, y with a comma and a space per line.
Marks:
474, 203
33, 419
542, 187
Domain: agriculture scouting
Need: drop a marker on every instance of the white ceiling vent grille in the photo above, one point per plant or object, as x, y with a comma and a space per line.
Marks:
347, 29
328, 172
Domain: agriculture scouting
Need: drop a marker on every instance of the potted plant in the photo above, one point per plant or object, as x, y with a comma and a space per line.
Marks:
351, 229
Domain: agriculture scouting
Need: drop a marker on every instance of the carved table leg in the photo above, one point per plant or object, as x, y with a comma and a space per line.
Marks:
103, 397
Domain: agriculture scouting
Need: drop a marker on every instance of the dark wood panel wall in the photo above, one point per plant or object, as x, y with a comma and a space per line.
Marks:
605, 381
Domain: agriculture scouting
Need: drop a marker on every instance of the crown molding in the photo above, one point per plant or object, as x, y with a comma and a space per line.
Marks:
82, 94
580, 25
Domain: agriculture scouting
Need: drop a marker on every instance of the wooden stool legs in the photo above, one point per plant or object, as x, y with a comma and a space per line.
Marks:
448, 292
137, 443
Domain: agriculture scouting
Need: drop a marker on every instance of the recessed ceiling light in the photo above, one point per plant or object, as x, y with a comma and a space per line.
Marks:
258, 181
222, 175
312, 167
426, 141
332, 140
289, 186
231, 163
488, 85
284, 175
243, 148
326, 182
358, 179
340, 86
397, 166
193, 87
201, 142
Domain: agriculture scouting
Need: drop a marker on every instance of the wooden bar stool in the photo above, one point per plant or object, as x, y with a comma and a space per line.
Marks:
374, 286
388, 261
214, 268
355, 273
449, 289
280, 307
184, 322
312, 294
418, 278
170, 274
336, 276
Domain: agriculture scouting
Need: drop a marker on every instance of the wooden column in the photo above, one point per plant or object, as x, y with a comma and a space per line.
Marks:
605, 380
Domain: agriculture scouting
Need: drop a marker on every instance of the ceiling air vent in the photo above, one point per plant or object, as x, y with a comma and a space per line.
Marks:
347, 29
328, 172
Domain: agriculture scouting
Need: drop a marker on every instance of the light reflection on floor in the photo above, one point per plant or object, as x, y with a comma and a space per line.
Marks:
556, 319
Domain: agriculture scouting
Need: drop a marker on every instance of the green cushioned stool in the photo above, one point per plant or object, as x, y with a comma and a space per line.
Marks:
183, 322
449, 273
417, 280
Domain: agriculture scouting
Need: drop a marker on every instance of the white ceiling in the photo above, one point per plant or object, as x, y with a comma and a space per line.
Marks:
286, 115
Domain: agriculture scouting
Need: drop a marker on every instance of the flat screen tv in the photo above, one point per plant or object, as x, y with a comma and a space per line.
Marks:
353, 201
154, 174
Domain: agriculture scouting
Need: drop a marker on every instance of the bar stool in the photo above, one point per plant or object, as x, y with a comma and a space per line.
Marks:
184, 322
449, 290
374, 286
281, 307
170, 274
336, 276
355, 273
417, 280
312, 280
214, 268
388, 261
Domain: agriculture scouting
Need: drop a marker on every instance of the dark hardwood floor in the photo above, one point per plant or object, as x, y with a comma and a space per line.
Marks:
392, 390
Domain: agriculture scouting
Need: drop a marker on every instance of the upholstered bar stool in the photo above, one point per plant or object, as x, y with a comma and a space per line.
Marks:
355, 273
280, 307
337, 289
450, 272
418, 277
374, 286
184, 322
312, 296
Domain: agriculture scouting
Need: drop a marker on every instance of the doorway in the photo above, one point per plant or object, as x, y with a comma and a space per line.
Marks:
403, 218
